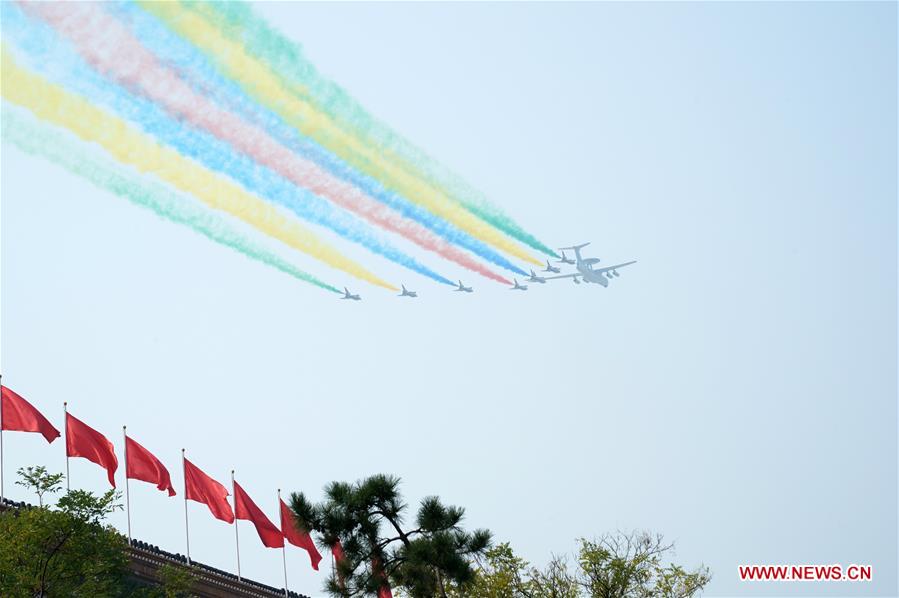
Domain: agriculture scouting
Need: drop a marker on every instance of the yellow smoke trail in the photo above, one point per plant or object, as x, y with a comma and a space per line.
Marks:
281, 97
52, 103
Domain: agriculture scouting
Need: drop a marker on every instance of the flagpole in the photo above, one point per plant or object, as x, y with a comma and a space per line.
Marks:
236, 537
127, 489
1, 445
65, 410
283, 549
186, 528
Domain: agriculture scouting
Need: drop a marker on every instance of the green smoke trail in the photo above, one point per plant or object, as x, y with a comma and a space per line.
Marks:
45, 141
286, 59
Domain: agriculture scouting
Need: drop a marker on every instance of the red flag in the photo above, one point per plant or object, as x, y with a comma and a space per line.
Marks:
84, 441
384, 590
245, 508
337, 552
18, 415
296, 537
140, 464
200, 487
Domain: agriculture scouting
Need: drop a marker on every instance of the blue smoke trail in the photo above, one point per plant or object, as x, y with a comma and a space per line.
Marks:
198, 71
45, 52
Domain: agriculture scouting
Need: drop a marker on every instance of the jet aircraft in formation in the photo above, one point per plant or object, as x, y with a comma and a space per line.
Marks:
586, 271
537, 279
348, 295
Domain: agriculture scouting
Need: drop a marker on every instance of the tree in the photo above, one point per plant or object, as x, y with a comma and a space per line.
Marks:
66, 551
554, 581
502, 574
633, 565
614, 566
367, 518
41, 482
177, 580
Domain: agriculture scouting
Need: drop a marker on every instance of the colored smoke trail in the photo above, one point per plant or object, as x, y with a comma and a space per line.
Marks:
52, 103
43, 51
195, 68
38, 139
118, 55
286, 59
268, 89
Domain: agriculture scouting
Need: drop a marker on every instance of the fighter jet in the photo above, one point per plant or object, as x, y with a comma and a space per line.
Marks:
348, 295
565, 259
463, 288
407, 293
550, 268
586, 271
518, 287
537, 279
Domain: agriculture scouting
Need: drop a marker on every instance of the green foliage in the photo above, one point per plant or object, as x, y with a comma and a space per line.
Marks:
554, 581
41, 482
367, 518
177, 580
500, 574
84, 506
613, 566
63, 552
634, 565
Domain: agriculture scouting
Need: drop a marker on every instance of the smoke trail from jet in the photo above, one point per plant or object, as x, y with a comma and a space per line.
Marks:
43, 51
38, 139
268, 89
195, 68
118, 55
286, 59
51, 103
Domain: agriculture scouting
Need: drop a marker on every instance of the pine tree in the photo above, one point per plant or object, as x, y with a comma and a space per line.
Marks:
367, 518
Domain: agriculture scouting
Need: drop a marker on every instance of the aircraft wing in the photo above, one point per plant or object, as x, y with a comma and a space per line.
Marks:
615, 267
576, 274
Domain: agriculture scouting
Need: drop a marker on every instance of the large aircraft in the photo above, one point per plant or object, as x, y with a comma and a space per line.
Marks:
463, 288
550, 268
348, 295
537, 279
518, 287
565, 259
585, 269
407, 293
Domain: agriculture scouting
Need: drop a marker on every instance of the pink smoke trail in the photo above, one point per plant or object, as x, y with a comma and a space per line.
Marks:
112, 50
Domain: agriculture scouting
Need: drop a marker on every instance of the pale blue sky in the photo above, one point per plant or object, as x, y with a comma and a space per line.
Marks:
734, 390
